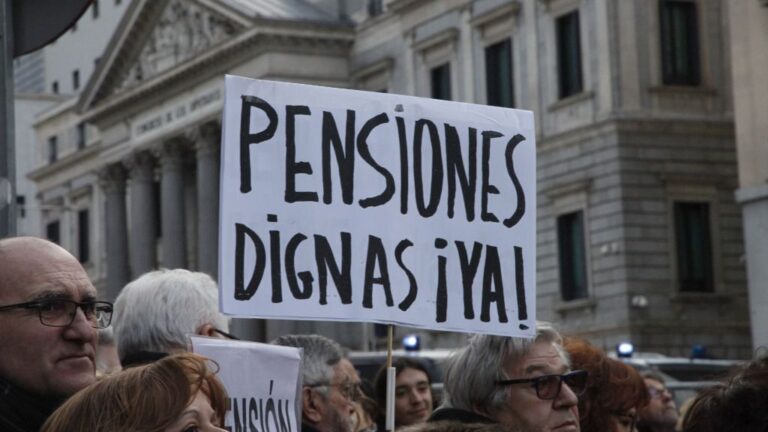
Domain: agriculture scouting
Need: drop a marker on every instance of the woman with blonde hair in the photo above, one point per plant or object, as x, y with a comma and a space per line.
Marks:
179, 393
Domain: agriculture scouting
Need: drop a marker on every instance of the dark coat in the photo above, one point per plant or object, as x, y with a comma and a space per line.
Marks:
22, 412
457, 415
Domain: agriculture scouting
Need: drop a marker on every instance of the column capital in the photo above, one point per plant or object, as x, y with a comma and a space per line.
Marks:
140, 165
172, 153
205, 138
112, 177
211, 131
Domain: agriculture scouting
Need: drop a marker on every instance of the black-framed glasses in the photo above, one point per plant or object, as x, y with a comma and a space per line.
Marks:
548, 386
351, 390
225, 334
61, 313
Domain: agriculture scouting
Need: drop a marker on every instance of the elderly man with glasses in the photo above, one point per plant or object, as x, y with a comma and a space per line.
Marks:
331, 384
49, 314
523, 384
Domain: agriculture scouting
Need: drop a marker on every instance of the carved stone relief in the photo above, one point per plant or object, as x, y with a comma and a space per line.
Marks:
183, 31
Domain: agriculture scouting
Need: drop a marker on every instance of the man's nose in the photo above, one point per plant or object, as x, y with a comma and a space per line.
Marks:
81, 327
415, 396
567, 397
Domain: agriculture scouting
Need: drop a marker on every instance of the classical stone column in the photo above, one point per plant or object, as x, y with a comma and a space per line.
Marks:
207, 159
172, 205
112, 182
141, 168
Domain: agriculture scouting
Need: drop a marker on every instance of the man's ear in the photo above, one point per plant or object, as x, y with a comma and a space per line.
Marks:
312, 406
207, 330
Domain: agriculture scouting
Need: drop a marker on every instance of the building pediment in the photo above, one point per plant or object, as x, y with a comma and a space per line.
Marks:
162, 42
184, 30
156, 36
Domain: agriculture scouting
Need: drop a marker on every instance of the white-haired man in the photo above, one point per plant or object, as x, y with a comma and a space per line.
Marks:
331, 384
155, 314
524, 384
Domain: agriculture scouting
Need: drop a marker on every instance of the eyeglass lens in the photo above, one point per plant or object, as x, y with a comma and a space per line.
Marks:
548, 387
61, 313
350, 391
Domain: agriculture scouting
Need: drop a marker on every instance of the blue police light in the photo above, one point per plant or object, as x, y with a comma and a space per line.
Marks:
412, 343
625, 350
698, 351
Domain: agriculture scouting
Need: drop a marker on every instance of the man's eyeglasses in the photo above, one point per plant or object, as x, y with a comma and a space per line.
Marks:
351, 391
548, 386
61, 313
226, 335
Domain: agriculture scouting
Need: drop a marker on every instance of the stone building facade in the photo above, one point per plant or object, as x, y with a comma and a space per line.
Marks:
639, 235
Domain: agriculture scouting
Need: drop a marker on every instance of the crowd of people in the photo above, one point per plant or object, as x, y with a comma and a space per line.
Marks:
70, 361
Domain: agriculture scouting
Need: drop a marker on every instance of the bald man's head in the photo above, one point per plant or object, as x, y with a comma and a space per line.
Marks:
20, 256
38, 277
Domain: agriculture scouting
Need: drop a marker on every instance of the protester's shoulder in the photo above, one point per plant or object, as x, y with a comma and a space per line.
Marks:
457, 415
456, 426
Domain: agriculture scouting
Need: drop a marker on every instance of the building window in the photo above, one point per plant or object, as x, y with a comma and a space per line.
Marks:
80, 131
53, 149
75, 79
693, 247
569, 54
21, 202
441, 82
55, 87
375, 7
95, 9
83, 236
52, 232
679, 43
572, 255
498, 74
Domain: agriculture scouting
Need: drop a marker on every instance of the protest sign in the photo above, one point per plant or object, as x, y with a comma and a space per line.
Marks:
263, 383
357, 206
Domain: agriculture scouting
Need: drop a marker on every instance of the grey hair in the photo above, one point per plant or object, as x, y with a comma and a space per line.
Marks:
320, 356
471, 373
157, 311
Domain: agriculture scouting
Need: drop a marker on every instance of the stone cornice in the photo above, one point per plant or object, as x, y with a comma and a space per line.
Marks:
402, 6
284, 35
381, 65
37, 175
638, 125
503, 12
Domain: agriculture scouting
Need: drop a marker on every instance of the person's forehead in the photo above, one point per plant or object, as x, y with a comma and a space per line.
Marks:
344, 371
543, 357
411, 376
654, 383
48, 273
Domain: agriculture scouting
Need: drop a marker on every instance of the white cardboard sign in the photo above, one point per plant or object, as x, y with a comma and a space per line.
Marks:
357, 206
263, 383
